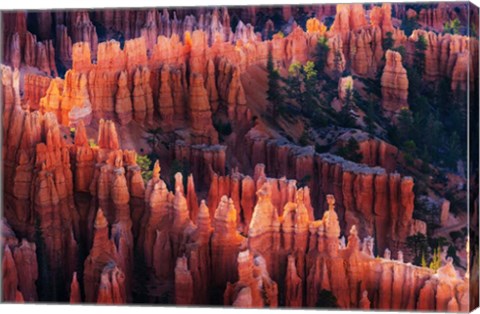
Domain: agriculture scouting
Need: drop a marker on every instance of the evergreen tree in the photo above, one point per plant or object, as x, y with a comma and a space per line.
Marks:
351, 151
321, 54
423, 262
326, 300
408, 25
430, 135
370, 117
419, 55
410, 149
370, 125
304, 139
436, 262
44, 283
404, 125
294, 83
154, 138
453, 151
452, 26
388, 41
274, 90
179, 166
344, 117
311, 92
393, 135
419, 245
452, 252
401, 50
337, 60
310, 74
415, 85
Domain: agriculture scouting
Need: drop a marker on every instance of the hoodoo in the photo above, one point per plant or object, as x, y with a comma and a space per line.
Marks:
394, 83
307, 156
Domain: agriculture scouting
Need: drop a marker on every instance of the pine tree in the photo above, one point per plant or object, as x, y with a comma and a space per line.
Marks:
423, 261
452, 26
418, 244
405, 125
419, 55
293, 83
273, 93
408, 25
326, 299
388, 41
344, 117
369, 118
154, 138
321, 54
44, 282
453, 151
351, 151
337, 60
436, 262
310, 93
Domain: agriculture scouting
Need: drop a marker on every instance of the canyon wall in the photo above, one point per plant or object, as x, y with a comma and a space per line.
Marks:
447, 55
377, 201
207, 45
285, 244
81, 221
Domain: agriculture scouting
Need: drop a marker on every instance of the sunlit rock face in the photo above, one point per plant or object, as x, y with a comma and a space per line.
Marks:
394, 83
144, 162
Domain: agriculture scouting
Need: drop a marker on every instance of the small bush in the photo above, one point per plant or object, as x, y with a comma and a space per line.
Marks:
145, 164
91, 143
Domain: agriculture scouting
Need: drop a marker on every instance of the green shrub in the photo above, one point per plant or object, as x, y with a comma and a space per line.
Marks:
452, 26
91, 143
145, 164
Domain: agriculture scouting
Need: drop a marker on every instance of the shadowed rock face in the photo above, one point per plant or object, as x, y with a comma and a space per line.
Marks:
85, 221
19, 268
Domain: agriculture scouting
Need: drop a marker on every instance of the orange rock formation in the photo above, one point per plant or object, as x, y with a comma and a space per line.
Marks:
19, 268
394, 83
253, 240
201, 113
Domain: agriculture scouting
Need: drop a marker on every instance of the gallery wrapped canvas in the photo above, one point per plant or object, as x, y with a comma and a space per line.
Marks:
290, 156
